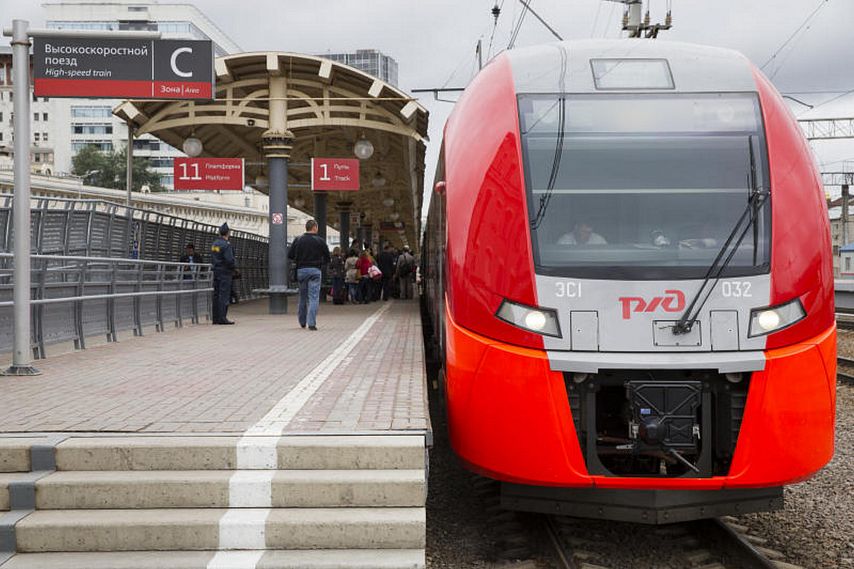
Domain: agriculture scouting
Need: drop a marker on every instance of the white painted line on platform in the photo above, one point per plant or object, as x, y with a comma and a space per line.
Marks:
274, 422
243, 529
235, 560
257, 453
251, 489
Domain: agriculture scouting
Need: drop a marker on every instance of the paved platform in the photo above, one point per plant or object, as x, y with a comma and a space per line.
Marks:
361, 372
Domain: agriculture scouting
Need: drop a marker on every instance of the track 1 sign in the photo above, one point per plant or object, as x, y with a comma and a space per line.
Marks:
107, 68
208, 173
334, 174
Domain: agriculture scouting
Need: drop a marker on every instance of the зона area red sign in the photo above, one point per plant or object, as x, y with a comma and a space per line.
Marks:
208, 173
334, 174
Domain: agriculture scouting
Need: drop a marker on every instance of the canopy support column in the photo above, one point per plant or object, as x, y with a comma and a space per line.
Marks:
278, 142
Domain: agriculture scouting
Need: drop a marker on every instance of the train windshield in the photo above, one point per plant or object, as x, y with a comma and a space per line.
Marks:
643, 186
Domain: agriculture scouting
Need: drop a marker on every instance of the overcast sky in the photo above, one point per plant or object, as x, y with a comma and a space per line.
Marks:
434, 40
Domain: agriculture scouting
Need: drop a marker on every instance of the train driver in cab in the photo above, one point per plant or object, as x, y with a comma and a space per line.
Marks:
582, 234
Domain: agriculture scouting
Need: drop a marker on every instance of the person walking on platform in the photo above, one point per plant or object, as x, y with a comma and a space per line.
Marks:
336, 273
222, 259
385, 261
309, 252
351, 276
405, 272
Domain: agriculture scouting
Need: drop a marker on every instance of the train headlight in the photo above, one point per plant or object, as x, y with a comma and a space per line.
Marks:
773, 318
540, 320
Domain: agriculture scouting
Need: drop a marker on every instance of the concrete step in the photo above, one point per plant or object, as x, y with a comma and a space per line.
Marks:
329, 559
15, 453
227, 488
312, 452
215, 529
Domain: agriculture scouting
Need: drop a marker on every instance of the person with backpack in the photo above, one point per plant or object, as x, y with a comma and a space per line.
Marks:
405, 273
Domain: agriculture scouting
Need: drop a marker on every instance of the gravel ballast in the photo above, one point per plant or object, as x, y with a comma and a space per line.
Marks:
816, 527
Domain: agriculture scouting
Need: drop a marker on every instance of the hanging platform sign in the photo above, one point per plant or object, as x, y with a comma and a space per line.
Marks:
208, 173
106, 68
334, 174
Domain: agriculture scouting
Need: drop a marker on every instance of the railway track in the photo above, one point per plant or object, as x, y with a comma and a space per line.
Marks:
705, 544
848, 363
845, 320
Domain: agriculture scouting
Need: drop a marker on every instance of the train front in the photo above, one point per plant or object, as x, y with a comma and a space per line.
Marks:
639, 319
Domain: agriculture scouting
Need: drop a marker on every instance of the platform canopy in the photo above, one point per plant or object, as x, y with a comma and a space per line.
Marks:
327, 108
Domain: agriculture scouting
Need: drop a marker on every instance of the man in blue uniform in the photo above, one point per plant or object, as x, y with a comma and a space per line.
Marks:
222, 259
309, 252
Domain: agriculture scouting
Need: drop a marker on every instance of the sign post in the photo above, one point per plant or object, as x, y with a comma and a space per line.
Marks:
22, 346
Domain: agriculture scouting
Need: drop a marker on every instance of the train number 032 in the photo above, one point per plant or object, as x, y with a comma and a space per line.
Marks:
736, 289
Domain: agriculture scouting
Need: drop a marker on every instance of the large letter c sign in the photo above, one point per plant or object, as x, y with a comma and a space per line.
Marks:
174, 61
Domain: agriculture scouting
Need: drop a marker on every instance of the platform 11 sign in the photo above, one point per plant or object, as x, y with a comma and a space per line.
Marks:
208, 173
334, 174
122, 68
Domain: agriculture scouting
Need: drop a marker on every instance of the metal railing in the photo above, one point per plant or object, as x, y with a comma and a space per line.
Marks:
77, 297
97, 228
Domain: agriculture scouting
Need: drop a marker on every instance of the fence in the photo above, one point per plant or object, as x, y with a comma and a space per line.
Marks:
78, 297
96, 228
102, 268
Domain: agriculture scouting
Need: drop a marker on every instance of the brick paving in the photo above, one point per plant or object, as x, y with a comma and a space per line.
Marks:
223, 379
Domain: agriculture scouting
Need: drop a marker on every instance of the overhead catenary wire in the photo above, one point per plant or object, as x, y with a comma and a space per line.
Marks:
518, 25
596, 20
610, 18
821, 4
494, 27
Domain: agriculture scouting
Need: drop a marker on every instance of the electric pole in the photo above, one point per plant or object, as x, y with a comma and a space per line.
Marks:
638, 23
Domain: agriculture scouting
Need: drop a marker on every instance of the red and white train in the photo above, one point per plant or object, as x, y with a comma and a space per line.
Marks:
628, 278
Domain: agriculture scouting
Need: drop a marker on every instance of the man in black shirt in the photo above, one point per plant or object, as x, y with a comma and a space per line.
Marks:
310, 252
385, 261
193, 259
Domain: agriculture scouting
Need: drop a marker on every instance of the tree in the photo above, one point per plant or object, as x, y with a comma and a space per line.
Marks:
109, 169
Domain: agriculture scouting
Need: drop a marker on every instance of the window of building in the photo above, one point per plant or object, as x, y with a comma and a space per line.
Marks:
44, 137
91, 112
93, 128
1, 137
847, 264
102, 145
44, 116
37, 137
37, 157
35, 116
1, 116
